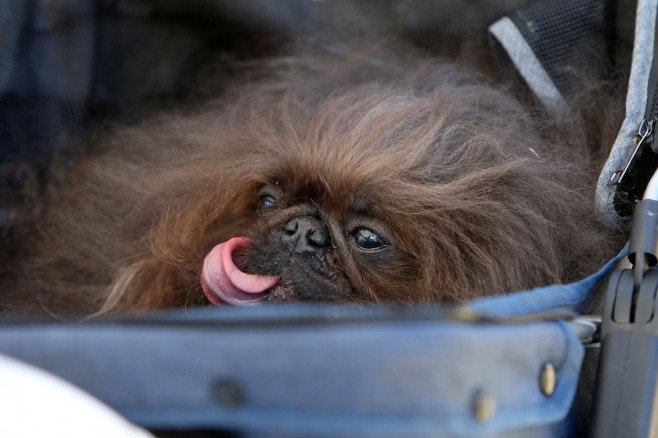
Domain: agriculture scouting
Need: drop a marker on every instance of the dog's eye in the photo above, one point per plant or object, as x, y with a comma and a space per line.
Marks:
266, 201
367, 239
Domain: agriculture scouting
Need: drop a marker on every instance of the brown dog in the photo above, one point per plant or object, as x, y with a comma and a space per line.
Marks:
381, 178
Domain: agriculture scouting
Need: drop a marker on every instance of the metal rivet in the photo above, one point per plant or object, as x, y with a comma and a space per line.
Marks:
548, 379
228, 393
484, 406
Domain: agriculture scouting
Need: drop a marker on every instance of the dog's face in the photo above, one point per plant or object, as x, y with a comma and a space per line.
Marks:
325, 246
317, 235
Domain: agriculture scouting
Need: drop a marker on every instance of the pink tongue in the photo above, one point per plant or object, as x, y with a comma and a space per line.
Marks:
224, 283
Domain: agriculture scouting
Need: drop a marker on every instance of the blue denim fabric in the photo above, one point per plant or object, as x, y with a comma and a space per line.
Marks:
322, 379
546, 298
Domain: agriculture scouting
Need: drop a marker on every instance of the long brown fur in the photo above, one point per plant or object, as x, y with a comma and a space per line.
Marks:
481, 195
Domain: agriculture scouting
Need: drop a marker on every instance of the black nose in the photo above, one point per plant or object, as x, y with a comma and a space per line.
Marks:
305, 234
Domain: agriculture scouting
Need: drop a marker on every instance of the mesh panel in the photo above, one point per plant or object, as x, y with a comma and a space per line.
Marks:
566, 36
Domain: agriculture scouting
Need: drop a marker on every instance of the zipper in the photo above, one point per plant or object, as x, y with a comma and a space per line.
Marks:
631, 181
633, 178
645, 138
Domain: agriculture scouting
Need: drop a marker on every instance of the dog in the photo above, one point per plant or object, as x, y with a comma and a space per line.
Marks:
381, 176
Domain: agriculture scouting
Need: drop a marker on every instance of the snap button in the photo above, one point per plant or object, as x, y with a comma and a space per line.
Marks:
484, 406
547, 379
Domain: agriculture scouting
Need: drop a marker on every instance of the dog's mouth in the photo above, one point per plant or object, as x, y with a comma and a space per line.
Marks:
224, 283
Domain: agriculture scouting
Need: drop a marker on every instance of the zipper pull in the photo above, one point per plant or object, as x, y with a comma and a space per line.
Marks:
645, 135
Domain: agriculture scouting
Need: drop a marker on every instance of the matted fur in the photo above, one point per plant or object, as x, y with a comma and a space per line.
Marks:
478, 195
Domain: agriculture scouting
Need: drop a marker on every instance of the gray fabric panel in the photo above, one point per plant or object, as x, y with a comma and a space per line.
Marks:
529, 67
636, 100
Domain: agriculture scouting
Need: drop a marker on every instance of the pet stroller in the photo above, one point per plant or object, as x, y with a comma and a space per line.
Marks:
522, 365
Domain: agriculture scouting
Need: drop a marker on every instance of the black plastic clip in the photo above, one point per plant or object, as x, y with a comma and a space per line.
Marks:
627, 387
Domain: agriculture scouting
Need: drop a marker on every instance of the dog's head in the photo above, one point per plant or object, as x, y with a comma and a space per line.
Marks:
395, 195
